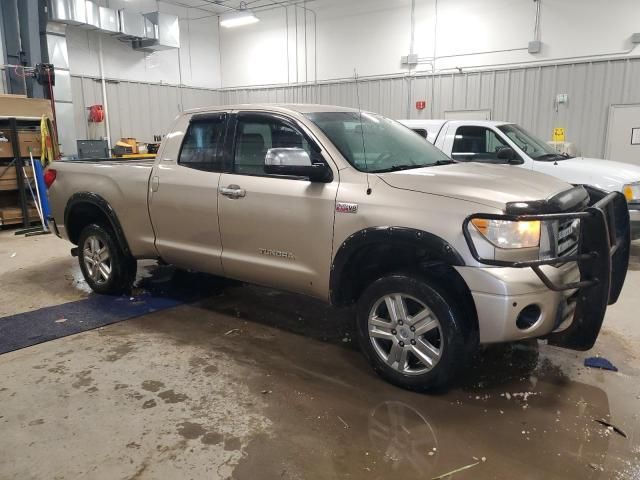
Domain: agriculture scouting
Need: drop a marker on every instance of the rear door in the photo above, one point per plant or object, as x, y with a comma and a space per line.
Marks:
276, 230
183, 198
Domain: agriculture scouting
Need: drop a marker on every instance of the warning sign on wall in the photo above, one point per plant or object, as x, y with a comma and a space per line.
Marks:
558, 134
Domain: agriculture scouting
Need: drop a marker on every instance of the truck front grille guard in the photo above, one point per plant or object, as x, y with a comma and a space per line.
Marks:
603, 244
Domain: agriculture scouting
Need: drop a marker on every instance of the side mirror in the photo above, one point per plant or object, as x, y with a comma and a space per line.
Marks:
508, 155
295, 162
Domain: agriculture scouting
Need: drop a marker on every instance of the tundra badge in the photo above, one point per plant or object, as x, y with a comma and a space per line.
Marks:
277, 253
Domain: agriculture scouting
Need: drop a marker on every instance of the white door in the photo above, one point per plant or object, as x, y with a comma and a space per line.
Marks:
623, 134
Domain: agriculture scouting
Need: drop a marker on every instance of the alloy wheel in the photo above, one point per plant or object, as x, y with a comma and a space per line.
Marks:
405, 334
97, 259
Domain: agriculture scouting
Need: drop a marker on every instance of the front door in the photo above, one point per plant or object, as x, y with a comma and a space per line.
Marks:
276, 230
477, 144
184, 195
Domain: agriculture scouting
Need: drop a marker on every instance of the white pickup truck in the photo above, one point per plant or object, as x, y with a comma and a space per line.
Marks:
508, 143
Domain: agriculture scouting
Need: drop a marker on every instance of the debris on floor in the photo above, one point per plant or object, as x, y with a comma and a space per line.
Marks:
601, 363
613, 427
232, 331
457, 470
346, 425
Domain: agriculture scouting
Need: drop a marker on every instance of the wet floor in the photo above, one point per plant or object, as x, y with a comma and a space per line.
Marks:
250, 383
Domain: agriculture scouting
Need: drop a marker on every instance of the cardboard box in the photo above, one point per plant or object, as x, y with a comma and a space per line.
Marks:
13, 215
9, 179
30, 139
6, 148
21, 107
26, 139
131, 141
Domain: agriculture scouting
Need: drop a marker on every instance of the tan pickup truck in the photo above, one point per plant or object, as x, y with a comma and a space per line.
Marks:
353, 208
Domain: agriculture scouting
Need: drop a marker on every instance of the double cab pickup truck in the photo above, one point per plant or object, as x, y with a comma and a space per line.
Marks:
509, 144
435, 256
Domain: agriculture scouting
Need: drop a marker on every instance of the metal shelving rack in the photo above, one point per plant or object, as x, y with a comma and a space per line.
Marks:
10, 125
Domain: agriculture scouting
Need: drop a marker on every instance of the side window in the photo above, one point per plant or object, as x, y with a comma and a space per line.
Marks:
202, 145
477, 144
255, 136
421, 131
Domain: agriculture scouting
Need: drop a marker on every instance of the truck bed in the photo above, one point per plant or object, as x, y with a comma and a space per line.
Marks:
122, 183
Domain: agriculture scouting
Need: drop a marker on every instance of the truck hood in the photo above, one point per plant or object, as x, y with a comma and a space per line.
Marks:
489, 185
606, 174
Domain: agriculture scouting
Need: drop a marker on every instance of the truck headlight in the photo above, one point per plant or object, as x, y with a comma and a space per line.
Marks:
509, 234
631, 191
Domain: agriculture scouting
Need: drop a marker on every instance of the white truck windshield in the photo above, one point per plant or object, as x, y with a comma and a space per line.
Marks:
531, 145
372, 143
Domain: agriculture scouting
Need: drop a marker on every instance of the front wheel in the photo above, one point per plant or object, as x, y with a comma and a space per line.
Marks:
106, 268
410, 333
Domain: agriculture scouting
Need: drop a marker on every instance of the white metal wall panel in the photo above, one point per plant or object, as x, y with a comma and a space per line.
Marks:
525, 95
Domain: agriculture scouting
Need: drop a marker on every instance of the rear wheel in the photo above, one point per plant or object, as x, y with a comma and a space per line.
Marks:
106, 268
410, 333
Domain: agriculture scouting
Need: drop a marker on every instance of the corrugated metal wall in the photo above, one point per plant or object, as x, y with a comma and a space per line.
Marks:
522, 95
136, 109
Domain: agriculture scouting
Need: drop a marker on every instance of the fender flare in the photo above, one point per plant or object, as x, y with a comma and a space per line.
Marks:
104, 206
439, 250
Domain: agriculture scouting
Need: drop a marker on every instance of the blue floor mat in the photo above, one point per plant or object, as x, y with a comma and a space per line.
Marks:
30, 328
164, 288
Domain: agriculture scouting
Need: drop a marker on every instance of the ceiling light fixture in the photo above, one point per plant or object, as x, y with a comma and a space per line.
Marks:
238, 18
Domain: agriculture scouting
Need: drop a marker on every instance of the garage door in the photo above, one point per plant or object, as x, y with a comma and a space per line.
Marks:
623, 134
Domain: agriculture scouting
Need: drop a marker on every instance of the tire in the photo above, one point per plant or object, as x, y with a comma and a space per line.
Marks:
97, 246
421, 349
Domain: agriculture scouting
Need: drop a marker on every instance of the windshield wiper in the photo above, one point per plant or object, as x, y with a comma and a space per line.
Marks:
443, 162
395, 168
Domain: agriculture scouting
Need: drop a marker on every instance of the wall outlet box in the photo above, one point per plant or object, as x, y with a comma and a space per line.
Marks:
635, 38
535, 46
409, 59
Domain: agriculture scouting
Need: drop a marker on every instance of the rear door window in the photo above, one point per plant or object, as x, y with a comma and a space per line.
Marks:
202, 147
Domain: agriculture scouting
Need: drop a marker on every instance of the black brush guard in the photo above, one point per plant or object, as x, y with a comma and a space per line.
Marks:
602, 257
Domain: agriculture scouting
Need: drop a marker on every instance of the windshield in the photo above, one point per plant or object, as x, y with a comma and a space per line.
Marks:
377, 144
532, 146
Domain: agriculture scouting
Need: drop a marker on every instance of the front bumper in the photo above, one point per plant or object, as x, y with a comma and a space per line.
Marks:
634, 218
501, 294
571, 292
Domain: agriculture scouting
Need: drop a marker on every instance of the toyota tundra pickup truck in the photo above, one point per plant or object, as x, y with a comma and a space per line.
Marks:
436, 256
510, 144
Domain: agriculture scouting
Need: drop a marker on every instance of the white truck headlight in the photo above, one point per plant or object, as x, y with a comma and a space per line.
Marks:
508, 234
631, 191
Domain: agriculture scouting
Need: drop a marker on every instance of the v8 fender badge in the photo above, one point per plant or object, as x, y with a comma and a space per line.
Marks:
343, 207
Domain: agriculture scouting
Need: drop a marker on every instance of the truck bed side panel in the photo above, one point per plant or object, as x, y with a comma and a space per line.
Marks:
122, 184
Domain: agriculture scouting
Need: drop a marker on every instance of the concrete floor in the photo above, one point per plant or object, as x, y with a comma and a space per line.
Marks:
255, 384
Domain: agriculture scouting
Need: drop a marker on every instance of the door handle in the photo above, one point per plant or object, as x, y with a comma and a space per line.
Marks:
233, 191
155, 183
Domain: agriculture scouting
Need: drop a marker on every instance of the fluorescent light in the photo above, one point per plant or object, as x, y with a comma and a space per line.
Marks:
238, 18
